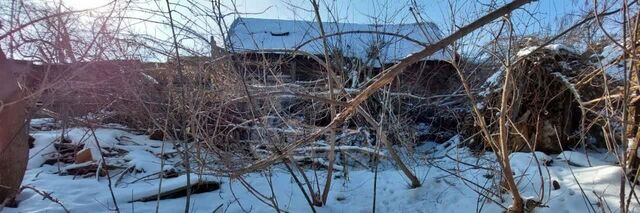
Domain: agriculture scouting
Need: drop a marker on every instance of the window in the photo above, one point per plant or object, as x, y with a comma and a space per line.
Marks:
280, 34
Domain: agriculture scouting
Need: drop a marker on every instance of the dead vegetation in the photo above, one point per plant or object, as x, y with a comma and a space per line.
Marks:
237, 112
551, 87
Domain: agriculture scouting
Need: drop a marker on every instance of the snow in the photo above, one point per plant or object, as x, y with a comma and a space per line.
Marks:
341, 148
149, 78
580, 159
561, 47
616, 71
422, 129
552, 47
40, 122
265, 35
582, 188
144, 161
452, 179
491, 83
526, 51
131, 195
610, 53
42, 148
354, 77
494, 79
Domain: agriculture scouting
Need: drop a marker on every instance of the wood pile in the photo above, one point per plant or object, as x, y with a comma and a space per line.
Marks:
77, 160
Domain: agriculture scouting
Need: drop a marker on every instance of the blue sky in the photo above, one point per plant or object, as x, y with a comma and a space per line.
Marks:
361, 11
548, 14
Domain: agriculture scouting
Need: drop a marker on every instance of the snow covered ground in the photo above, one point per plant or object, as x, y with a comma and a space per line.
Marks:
454, 180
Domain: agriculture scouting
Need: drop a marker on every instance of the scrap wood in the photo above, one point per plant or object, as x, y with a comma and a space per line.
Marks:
83, 156
316, 161
89, 167
83, 169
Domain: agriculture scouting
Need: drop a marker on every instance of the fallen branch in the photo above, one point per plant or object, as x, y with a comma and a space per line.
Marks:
342, 149
320, 161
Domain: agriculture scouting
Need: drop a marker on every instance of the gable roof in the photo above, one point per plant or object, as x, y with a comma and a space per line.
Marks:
268, 35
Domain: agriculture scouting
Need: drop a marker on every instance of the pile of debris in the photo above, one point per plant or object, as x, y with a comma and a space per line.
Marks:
77, 160
122, 157
546, 107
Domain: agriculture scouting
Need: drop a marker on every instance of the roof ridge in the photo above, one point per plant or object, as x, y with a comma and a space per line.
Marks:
350, 23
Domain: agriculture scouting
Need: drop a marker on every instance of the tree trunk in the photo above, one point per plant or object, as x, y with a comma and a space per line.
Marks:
14, 148
633, 111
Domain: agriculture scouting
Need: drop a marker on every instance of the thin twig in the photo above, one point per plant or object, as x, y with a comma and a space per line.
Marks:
46, 195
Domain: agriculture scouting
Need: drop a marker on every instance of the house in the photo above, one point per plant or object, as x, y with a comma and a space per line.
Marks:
290, 49
290, 52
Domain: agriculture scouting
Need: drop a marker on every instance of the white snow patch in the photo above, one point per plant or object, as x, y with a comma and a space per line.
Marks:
610, 53
526, 51
149, 78
491, 83
615, 71
43, 147
553, 47
445, 171
580, 159
560, 47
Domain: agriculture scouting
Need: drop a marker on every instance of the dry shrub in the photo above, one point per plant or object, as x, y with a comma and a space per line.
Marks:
550, 86
100, 89
427, 93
